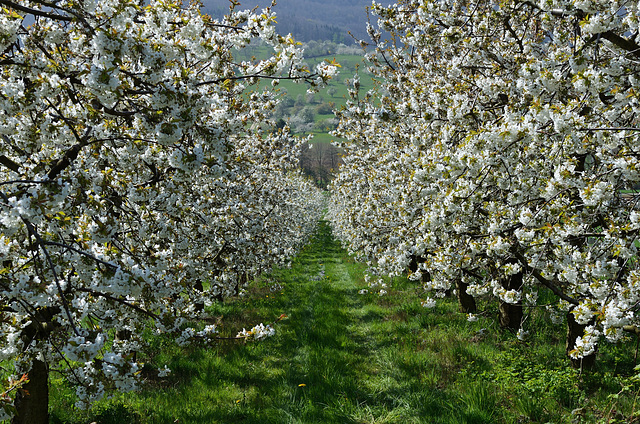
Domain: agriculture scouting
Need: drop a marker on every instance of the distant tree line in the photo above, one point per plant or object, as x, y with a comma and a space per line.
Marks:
320, 161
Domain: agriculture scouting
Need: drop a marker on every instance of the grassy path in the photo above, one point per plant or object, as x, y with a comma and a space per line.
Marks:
337, 354
344, 357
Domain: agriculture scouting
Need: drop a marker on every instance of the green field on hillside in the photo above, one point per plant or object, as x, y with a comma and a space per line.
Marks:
349, 65
295, 97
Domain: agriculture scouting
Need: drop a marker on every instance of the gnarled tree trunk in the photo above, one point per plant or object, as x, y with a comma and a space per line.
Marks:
198, 287
575, 330
32, 400
511, 313
413, 267
465, 300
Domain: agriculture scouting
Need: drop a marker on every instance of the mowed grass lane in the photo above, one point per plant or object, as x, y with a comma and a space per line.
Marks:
345, 357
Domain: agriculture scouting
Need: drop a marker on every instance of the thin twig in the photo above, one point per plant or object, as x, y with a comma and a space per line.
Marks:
118, 300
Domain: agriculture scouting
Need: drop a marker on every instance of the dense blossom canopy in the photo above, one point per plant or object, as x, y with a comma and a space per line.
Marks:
502, 140
140, 176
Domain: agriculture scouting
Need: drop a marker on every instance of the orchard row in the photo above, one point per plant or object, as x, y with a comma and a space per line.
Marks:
141, 178
499, 157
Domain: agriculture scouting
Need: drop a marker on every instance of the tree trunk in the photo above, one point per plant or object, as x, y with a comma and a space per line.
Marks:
465, 300
575, 330
413, 265
32, 400
199, 306
511, 313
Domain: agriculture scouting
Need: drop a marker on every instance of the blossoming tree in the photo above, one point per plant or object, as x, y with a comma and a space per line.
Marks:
499, 156
140, 177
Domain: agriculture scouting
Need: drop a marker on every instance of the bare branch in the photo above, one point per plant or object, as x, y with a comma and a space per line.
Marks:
9, 163
243, 77
23, 182
623, 43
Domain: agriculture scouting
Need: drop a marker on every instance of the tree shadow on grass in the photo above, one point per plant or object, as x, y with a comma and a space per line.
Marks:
319, 368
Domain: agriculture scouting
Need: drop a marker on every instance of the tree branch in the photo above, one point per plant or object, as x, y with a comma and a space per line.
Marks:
23, 182
545, 281
41, 243
118, 300
66, 246
36, 12
9, 163
243, 77
623, 43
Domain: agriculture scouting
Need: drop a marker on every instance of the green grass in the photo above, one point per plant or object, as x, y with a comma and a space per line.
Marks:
322, 138
343, 357
338, 83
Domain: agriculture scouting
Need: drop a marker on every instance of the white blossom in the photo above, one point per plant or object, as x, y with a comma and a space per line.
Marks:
511, 164
135, 169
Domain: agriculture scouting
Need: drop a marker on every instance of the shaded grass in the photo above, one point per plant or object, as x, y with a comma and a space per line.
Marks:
342, 357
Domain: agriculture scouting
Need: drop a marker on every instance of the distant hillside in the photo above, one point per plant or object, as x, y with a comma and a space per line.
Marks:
309, 19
